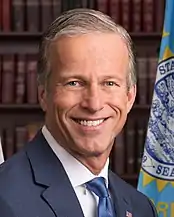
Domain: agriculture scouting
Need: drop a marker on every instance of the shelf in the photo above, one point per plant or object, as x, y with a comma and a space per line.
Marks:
20, 36
37, 35
146, 35
141, 107
20, 106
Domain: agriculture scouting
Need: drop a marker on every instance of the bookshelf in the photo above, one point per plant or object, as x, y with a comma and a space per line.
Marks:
35, 36
24, 117
21, 107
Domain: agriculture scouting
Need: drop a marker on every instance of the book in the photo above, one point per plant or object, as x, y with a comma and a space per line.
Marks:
152, 70
159, 15
130, 146
136, 16
6, 15
125, 14
32, 129
148, 15
118, 155
84, 3
56, 8
142, 85
33, 14
1, 21
18, 14
20, 81
46, 13
20, 137
31, 78
114, 10
102, 5
8, 80
92, 4
8, 142
76, 3
141, 126
65, 6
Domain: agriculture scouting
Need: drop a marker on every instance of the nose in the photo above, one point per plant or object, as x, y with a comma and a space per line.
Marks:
92, 99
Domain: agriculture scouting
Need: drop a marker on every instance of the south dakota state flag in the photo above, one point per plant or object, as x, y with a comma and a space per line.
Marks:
156, 179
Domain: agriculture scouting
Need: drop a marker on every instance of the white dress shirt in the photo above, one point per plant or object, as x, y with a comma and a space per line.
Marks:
78, 175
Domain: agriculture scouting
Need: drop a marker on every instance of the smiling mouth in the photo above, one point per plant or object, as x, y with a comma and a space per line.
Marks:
90, 123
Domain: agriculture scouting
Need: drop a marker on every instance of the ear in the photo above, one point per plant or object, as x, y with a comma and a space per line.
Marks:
131, 97
42, 96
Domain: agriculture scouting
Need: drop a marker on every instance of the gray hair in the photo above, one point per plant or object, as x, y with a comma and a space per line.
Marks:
81, 21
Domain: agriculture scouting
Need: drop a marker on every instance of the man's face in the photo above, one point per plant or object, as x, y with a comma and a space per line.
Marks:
87, 100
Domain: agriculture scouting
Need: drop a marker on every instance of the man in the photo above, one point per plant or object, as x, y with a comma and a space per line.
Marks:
87, 86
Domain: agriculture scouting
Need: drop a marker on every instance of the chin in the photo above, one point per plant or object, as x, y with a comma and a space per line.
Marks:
92, 152
96, 154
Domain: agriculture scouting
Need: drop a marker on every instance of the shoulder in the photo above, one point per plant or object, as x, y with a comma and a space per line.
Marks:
5, 209
14, 172
18, 165
13, 165
137, 199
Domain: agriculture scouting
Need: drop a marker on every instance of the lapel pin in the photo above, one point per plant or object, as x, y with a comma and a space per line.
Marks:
128, 214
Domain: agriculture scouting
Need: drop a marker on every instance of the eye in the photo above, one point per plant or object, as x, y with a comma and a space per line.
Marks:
110, 83
74, 83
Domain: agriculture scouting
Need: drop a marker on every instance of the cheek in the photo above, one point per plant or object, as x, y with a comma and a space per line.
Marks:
65, 100
119, 106
118, 101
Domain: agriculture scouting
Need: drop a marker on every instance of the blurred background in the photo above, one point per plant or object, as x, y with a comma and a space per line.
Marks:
21, 25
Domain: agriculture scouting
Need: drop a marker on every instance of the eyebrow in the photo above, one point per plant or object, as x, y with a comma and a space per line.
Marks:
68, 75
65, 76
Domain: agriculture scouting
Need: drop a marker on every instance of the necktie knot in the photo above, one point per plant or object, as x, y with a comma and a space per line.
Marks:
98, 186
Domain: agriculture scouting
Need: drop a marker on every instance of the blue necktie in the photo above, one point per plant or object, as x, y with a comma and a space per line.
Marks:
98, 186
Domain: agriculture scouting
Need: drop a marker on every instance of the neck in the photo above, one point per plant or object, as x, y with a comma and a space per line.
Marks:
94, 164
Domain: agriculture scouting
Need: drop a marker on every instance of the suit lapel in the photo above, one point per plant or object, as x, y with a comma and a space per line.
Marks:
63, 201
121, 200
49, 172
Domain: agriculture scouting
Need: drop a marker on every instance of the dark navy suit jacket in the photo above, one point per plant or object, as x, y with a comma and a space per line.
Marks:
33, 183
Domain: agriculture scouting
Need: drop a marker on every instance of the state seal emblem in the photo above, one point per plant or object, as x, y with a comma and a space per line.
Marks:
158, 158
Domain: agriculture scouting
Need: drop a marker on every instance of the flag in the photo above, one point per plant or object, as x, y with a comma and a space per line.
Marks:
156, 178
1, 153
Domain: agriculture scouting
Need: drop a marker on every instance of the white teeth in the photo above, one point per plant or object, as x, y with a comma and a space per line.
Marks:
90, 123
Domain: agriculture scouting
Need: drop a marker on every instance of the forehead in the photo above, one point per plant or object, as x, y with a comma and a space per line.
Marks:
95, 49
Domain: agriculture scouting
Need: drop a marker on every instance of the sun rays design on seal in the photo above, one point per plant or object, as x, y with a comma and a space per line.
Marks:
161, 184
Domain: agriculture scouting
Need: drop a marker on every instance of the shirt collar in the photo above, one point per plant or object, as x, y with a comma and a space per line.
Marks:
76, 171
